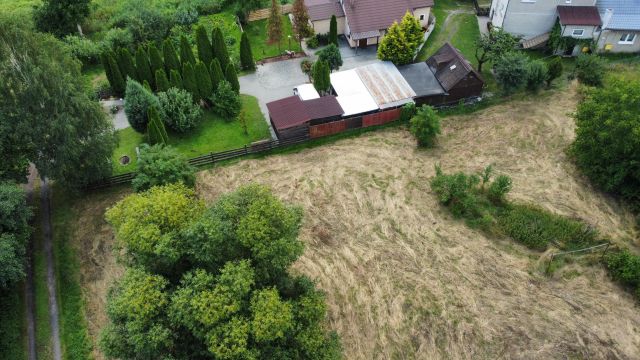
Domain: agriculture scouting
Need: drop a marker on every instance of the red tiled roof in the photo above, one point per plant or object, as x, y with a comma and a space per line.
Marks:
288, 112
292, 111
323, 9
371, 15
579, 15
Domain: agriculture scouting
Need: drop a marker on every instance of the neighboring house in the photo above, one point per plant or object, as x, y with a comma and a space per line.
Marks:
620, 25
612, 24
445, 78
365, 22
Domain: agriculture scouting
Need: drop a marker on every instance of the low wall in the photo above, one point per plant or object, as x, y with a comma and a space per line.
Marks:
334, 127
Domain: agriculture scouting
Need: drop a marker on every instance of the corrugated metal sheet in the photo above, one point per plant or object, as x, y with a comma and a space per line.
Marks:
385, 84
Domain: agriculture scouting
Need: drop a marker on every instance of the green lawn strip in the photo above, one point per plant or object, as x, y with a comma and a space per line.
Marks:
43, 325
214, 134
257, 33
230, 31
466, 35
74, 335
13, 339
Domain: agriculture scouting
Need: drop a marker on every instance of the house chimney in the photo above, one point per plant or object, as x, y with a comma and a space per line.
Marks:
606, 18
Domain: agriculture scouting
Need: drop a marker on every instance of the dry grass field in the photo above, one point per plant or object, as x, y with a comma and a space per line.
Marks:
404, 280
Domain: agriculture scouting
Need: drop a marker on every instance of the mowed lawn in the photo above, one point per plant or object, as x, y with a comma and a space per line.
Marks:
214, 134
258, 34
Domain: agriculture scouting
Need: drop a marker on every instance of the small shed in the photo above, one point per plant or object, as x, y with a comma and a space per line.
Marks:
455, 74
291, 116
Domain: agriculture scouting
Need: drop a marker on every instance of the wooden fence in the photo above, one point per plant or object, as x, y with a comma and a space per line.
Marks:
211, 158
264, 13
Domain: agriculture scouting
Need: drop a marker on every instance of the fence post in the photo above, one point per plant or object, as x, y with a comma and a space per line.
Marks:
213, 158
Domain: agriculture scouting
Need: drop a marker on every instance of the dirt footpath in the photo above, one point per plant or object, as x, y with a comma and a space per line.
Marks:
403, 279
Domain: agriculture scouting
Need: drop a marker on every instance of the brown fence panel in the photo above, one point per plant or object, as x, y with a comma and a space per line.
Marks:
381, 118
327, 129
264, 13
354, 122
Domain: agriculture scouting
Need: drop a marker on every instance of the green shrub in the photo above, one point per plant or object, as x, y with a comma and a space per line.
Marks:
498, 188
425, 126
458, 192
138, 102
590, 69
178, 110
226, 102
623, 266
554, 70
536, 228
117, 38
83, 49
511, 71
537, 74
161, 165
331, 54
313, 42
408, 111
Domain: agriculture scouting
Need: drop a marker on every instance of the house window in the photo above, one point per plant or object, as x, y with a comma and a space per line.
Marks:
627, 39
421, 17
577, 32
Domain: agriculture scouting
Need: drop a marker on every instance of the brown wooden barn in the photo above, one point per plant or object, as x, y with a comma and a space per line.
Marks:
445, 78
291, 116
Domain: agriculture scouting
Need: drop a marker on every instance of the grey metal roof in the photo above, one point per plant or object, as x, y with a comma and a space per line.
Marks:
626, 14
421, 79
385, 84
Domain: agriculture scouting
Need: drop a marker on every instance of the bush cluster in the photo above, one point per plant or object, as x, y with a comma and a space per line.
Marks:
161, 165
624, 267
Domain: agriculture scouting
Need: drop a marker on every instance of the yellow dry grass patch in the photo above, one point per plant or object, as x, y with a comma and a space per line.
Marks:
404, 279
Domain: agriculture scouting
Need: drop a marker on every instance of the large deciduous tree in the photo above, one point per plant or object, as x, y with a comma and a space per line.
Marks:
213, 283
607, 145
61, 17
46, 114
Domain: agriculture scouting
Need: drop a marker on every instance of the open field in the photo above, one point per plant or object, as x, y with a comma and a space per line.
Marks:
406, 280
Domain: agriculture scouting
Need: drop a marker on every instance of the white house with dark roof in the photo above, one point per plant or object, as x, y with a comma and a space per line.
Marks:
364, 22
614, 25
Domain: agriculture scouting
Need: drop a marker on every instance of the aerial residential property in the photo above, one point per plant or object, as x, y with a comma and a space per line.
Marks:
364, 22
613, 25
319, 179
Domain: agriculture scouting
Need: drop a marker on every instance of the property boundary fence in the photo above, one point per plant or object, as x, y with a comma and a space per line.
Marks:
211, 158
264, 13
589, 249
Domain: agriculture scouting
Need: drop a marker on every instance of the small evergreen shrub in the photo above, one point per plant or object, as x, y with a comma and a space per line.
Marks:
511, 71
178, 110
590, 70
226, 102
161, 165
138, 101
554, 70
425, 126
537, 74
624, 267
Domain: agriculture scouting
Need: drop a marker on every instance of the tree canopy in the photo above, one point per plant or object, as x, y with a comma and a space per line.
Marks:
46, 114
331, 55
161, 165
14, 232
491, 46
60, 17
213, 283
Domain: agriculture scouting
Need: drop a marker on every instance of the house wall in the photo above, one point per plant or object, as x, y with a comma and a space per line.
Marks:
528, 18
567, 30
612, 38
422, 12
322, 26
498, 11
374, 41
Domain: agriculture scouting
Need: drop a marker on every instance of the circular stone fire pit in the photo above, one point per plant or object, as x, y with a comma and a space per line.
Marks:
125, 160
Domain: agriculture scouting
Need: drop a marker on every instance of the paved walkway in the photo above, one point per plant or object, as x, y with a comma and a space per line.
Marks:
482, 23
120, 118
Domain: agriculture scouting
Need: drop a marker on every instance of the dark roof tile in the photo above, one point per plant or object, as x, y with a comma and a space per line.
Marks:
450, 66
371, 15
579, 15
323, 9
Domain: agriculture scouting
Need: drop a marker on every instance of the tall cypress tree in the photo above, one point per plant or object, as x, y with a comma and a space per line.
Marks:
171, 60
205, 88
117, 84
104, 58
321, 77
333, 31
125, 63
186, 53
162, 83
175, 79
189, 81
215, 70
232, 78
205, 51
220, 48
155, 59
143, 68
147, 86
156, 132
246, 55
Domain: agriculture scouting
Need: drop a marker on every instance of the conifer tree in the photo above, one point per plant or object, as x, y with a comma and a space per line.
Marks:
175, 79
301, 20
171, 61
155, 59
104, 59
220, 48
186, 53
394, 46
232, 77
333, 31
143, 68
217, 75
117, 81
156, 132
125, 63
162, 83
147, 86
274, 25
321, 77
189, 81
246, 55
205, 51
205, 88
